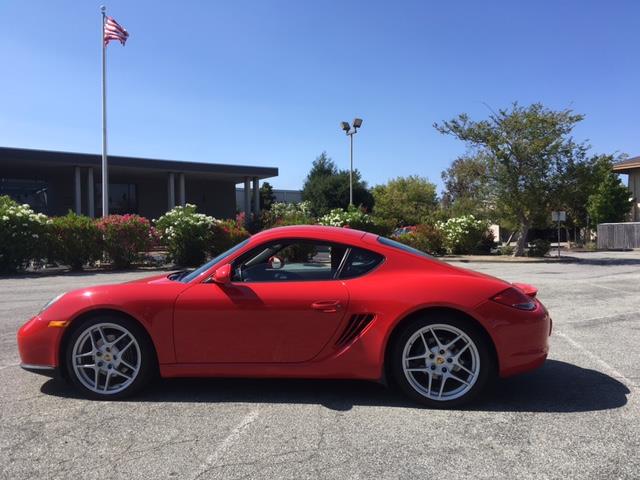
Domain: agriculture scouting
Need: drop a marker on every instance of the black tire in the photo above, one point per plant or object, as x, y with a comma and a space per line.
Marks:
147, 359
487, 367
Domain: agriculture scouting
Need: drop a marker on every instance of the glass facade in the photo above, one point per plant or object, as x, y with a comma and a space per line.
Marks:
33, 192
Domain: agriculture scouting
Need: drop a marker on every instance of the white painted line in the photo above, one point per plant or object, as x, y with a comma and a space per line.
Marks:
610, 288
615, 373
9, 366
213, 459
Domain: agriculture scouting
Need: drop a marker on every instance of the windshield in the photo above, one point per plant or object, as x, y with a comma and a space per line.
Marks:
403, 247
203, 268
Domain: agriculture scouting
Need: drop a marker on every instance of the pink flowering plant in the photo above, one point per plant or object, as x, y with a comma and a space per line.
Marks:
126, 238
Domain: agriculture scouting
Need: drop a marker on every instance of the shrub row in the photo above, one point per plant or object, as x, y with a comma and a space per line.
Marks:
33, 239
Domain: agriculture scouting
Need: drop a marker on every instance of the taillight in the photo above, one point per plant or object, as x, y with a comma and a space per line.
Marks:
512, 297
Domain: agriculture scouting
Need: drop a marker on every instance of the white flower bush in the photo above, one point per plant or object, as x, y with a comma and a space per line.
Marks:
352, 217
462, 234
282, 213
22, 235
186, 234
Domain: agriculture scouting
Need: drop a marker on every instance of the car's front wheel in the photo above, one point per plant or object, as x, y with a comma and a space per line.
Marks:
441, 362
109, 357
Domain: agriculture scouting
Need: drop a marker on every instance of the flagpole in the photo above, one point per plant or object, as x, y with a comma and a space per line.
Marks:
105, 170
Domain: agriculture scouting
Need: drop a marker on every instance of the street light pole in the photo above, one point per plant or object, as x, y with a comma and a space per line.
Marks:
351, 131
351, 173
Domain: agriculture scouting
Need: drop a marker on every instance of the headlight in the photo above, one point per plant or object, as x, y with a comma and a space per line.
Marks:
51, 302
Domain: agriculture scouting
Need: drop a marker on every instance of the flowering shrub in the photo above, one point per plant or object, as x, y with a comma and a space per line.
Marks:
22, 235
126, 238
226, 234
425, 237
287, 214
74, 240
351, 217
463, 234
186, 234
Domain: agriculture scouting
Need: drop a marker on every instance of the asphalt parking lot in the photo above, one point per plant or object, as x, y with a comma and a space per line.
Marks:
576, 417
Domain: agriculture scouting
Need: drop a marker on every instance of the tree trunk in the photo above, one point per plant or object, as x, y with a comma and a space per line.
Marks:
521, 243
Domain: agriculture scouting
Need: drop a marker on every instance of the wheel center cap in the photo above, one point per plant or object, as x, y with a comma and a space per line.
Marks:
439, 360
107, 357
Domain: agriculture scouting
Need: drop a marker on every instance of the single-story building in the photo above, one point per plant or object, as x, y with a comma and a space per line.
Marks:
631, 167
56, 182
281, 196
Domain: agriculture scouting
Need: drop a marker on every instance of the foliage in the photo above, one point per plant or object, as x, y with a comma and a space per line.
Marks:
287, 214
224, 235
186, 234
352, 217
468, 187
427, 238
267, 198
75, 240
539, 248
126, 238
528, 150
610, 200
406, 200
22, 235
506, 250
464, 234
327, 188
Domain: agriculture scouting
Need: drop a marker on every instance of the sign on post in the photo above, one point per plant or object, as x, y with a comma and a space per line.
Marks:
559, 216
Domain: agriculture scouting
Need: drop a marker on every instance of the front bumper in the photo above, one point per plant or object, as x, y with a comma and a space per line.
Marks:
46, 370
38, 344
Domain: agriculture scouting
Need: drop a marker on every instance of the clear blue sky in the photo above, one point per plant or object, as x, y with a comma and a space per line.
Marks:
267, 82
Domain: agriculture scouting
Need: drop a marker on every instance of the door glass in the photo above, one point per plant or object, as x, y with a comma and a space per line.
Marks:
291, 261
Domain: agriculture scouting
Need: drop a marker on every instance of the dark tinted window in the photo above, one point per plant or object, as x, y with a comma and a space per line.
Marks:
360, 262
403, 247
289, 261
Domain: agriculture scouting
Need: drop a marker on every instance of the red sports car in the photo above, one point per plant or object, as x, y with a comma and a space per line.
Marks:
302, 301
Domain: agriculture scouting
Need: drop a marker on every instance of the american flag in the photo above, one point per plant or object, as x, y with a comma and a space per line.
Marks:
113, 31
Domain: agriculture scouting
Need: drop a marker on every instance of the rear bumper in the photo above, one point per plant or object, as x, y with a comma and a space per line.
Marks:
521, 337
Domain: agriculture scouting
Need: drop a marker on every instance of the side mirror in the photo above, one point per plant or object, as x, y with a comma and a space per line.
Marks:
276, 262
222, 275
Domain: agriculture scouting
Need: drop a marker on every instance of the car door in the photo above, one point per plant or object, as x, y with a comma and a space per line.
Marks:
276, 312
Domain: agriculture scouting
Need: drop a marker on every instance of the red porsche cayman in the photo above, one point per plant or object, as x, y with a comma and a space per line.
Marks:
303, 301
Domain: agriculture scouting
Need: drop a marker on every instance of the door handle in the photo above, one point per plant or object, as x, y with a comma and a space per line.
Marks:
328, 306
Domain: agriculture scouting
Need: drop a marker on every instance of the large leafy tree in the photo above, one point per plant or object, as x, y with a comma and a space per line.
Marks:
326, 187
406, 200
528, 150
467, 187
610, 200
267, 197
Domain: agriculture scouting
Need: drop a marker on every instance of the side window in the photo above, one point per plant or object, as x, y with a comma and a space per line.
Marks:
289, 261
360, 262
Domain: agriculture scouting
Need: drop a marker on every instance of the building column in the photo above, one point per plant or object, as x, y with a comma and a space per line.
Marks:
91, 209
247, 198
77, 191
256, 196
181, 190
171, 191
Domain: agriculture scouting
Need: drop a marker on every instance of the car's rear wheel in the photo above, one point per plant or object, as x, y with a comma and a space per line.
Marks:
441, 362
109, 357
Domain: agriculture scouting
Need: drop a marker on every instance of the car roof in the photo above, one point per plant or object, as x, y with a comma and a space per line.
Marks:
332, 234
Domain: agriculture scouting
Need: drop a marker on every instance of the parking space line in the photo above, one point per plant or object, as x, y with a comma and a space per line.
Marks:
615, 373
235, 433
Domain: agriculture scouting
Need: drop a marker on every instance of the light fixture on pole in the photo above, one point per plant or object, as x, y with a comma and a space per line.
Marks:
351, 131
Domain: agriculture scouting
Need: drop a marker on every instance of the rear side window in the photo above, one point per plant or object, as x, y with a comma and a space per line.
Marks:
401, 246
360, 262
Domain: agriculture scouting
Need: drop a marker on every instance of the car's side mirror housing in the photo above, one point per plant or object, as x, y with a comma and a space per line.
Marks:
222, 275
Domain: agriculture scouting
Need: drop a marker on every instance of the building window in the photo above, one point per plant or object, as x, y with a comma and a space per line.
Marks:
35, 193
123, 198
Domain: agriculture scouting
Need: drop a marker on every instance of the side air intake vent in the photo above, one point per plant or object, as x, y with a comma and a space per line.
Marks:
356, 325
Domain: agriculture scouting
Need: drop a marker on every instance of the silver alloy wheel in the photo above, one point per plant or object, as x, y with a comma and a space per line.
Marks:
106, 358
441, 362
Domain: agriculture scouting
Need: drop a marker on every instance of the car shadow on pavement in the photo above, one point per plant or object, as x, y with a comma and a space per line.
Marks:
555, 387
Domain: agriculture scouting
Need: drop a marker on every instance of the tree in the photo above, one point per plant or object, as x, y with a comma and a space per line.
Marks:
528, 149
611, 200
468, 187
267, 198
405, 200
326, 187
